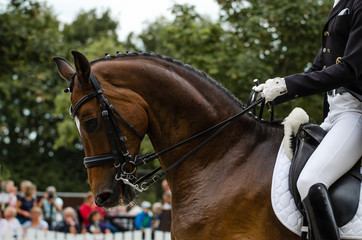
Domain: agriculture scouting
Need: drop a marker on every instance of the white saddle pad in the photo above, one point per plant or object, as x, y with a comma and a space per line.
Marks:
286, 210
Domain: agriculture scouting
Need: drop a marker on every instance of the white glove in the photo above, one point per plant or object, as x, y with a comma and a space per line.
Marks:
272, 88
259, 88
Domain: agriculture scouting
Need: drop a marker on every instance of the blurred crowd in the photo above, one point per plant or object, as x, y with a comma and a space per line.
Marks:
21, 209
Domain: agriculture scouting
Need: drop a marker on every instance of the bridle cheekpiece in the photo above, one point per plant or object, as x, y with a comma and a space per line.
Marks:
122, 160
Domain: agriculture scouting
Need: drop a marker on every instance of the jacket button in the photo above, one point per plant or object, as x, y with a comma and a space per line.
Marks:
338, 60
324, 67
326, 34
324, 50
329, 50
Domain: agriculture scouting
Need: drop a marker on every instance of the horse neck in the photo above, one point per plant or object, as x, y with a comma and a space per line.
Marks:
185, 104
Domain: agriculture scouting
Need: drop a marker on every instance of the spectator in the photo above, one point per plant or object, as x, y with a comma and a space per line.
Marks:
23, 185
126, 220
36, 221
165, 186
3, 197
10, 190
144, 219
87, 207
120, 224
157, 211
96, 225
69, 224
10, 223
52, 206
7, 194
133, 210
26, 203
167, 199
164, 218
3, 223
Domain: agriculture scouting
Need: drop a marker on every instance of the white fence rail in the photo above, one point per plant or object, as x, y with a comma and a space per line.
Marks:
48, 235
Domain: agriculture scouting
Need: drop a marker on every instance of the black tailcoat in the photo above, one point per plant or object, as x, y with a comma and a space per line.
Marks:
339, 60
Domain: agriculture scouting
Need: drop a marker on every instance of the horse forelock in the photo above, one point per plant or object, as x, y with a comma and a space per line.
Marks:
181, 64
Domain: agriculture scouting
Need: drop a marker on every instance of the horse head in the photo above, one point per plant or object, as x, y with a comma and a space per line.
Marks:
109, 140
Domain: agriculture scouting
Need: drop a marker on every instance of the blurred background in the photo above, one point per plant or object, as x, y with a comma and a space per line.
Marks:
234, 42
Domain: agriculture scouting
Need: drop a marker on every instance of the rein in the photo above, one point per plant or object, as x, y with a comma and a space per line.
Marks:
123, 160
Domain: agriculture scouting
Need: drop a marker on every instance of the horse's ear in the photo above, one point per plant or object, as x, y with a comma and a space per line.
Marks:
82, 68
65, 69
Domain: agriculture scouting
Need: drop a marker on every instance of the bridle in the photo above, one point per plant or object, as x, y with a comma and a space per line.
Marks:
125, 164
121, 159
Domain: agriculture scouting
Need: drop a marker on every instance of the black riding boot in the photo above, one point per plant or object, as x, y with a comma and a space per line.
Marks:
320, 214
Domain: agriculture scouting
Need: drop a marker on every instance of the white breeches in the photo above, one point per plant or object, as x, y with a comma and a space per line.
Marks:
340, 149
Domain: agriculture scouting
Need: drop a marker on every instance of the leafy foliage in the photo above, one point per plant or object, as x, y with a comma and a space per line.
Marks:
33, 122
28, 40
88, 27
280, 38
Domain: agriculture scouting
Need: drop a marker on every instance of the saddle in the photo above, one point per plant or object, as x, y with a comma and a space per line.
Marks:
344, 193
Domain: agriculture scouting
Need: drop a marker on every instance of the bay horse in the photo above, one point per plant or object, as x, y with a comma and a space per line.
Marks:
223, 191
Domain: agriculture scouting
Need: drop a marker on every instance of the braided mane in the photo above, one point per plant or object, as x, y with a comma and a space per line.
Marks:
176, 62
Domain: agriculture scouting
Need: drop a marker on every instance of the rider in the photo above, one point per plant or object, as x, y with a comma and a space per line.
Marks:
337, 70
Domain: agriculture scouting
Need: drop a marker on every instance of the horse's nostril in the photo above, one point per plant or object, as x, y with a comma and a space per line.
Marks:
103, 197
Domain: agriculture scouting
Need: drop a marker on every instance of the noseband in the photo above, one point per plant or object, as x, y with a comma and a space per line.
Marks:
124, 163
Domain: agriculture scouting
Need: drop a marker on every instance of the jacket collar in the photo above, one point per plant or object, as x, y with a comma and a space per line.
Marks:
340, 5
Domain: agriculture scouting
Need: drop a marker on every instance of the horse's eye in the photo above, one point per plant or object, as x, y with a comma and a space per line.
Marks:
90, 125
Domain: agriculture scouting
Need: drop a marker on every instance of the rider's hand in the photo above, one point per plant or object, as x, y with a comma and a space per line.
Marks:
259, 88
272, 88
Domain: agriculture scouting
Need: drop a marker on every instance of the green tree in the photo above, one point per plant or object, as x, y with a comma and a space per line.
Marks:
88, 27
281, 38
29, 37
